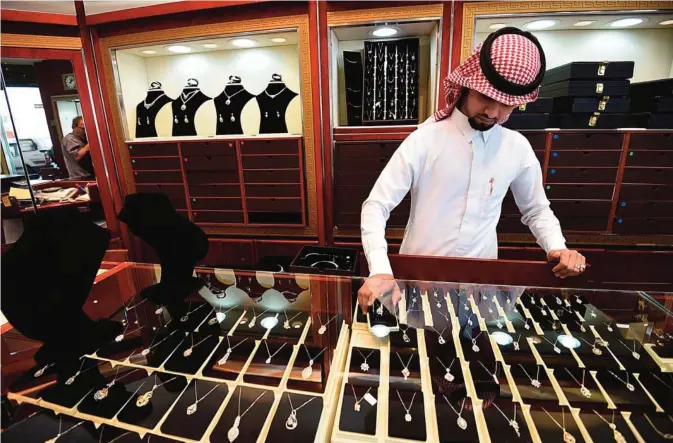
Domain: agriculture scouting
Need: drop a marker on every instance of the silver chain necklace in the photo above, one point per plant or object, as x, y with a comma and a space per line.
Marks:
535, 382
145, 352
405, 370
60, 423
440, 338
71, 380
234, 432
286, 323
291, 423
272, 96
254, 317
556, 348
268, 352
323, 327
407, 416
583, 389
511, 422
618, 436
475, 348
308, 370
567, 436
461, 422
149, 105
103, 392
356, 406
191, 409
145, 398
185, 317
186, 97
229, 97
515, 344
230, 348
364, 367
448, 376
594, 348
492, 374
634, 353
627, 383
188, 352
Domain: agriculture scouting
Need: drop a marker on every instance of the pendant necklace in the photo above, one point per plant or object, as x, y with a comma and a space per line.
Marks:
661, 381
446, 317
356, 406
469, 319
498, 323
461, 422
215, 320
40, 372
291, 423
145, 398
556, 348
149, 105
187, 352
229, 97
60, 423
440, 338
526, 325
145, 352
233, 431
536, 383
225, 358
578, 300
567, 436
268, 352
71, 380
558, 300
635, 354
191, 409
323, 327
448, 376
582, 328
465, 306
254, 317
103, 392
532, 299
121, 336
596, 350
618, 436
583, 389
553, 324
542, 311
136, 305
186, 97
286, 323
592, 313
609, 326
475, 348
274, 95
439, 303
308, 370
405, 337
407, 416
515, 344
364, 367
379, 310
405, 370
493, 374
185, 317
664, 435
628, 385
511, 422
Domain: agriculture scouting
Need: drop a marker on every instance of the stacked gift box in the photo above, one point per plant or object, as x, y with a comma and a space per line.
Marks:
652, 104
535, 115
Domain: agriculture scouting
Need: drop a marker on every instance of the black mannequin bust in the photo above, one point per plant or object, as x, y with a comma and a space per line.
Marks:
185, 107
147, 110
273, 103
229, 105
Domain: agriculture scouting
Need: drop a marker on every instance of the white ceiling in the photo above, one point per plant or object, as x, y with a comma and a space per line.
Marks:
68, 6
413, 29
567, 22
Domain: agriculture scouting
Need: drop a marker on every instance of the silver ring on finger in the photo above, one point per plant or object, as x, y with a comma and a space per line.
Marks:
578, 266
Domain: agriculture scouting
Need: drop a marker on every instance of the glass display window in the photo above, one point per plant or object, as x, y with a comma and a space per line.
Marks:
242, 85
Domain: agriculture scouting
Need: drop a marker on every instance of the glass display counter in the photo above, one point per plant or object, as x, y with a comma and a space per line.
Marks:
264, 356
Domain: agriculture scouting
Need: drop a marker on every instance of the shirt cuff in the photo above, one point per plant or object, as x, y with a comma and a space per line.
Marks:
379, 263
556, 243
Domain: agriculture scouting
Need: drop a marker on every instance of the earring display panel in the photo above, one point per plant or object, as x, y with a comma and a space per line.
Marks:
403, 407
297, 418
269, 363
228, 360
244, 416
455, 420
359, 407
153, 396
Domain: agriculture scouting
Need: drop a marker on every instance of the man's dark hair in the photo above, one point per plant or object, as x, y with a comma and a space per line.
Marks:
76, 120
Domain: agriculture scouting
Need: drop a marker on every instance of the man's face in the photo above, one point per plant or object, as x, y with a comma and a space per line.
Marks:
80, 129
483, 112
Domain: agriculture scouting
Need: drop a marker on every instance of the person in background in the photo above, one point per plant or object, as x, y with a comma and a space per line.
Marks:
76, 152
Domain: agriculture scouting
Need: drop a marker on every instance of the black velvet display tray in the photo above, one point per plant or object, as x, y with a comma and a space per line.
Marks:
355, 373
269, 374
364, 420
440, 384
529, 393
572, 390
69, 395
160, 347
396, 378
644, 362
509, 353
180, 424
432, 337
636, 400
550, 357
118, 393
447, 420
405, 338
251, 423
308, 418
296, 326
660, 385
601, 431
386, 318
201, 346
485, 352
647, 424
163, 397
398, 426
242, 349
317, 380
499, 428
413, 300
133, 338
44, 425
548, 430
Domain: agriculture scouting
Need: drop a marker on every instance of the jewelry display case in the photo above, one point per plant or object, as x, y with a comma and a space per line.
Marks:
467, 362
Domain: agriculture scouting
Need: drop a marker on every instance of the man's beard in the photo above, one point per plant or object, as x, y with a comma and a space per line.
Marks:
479, 126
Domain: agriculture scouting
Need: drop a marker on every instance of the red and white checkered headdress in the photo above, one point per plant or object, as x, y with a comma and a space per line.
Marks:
508, 67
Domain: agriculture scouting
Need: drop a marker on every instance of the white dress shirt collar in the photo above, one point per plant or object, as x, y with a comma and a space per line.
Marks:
463, 125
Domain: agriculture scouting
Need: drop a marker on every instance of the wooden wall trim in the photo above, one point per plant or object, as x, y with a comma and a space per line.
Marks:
341, 18
40, 41
13, 15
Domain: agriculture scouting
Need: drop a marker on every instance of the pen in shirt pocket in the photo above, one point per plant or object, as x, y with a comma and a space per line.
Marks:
491, 182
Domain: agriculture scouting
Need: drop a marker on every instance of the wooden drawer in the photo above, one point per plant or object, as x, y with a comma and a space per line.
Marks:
355, 192
269, 147
172, 191
226, 253
194, 178
153, 149
631, 192
643, 226
650, 141
584, 158
373, 150
215, 190
272, 190
579, 192
582, 175
202, 149
587, 141
662, 176
217, 204
217, 217
352, 219
355, 164
211, 163
270, 161
274, 204
583, 223
282, 176
157, 176
645, 209
362, 179
659, 159
537, 140
155, 163
581, 208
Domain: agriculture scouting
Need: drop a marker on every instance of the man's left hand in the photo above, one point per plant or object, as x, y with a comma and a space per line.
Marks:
570, 263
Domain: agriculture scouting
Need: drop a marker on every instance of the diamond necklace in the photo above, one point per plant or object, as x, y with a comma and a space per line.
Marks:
323, 327
268, 352
149, 105
440, 338
618, 436
186, 97
190, 349
308, 370
583, 389
662, 434
448, 376
556, 348
594, 349
103, 392
492, 374
229, 97
364, 367
511, 422
274, 95
407, 416
291, 423
233, 431
462, 423
60, 423
230, 348
628, 385
71, 380
536, 383
146, 351
185, 317
145, 398
254, 317
405, 370
286, 323
356, 406
191, 409
567, 436
634, 353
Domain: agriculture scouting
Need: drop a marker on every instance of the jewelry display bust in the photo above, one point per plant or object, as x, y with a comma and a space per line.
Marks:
185, 107
147, 110
229, 105
273, 103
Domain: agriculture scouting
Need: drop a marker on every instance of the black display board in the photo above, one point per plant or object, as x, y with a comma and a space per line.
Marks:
228, 365
357, 414
252, 406
450, 426
149, 403
361, 359
300, 427
269, 363
406, 415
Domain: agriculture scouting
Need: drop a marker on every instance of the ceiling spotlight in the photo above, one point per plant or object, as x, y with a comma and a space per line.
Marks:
179, 49
149, 52
210, 46
279, 39
538, 25
666, 22
568, 341
502, 338
269, 322
384, 32
626, 22
244, 42
496, 26
584, 22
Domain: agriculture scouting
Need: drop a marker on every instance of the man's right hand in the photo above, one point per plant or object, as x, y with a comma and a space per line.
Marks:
376, 286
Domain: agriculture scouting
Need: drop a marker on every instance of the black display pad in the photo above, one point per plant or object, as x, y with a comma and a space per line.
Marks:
159, 348
44, 425
624, 349
548, 430
485, 352
315, 379
307, 417
447, 420
364, 378
252, 422
405, 338
150, 412
636, 400
601, 431
589, 358
482, 371
432, 337
295, 321
195, 314
192, 353
519, 350
648, 423
69, 395
546, 350
270, 374
118, 393
131, 340
364, 420
660, 385
210, 396
398, 425
414, 305
544, 393
572, 387
229, 368
438, 374
378, 314
499, 428
398, 362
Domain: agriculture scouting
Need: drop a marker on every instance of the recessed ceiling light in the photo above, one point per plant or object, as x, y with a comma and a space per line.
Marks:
278, 39
496, 26
667, 22
179, 49
210, 46
540, 24
584, 22
149, 52
384, 32
626, 22
244, 42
